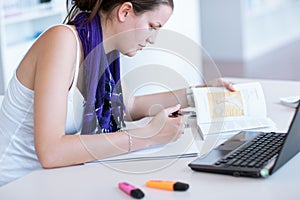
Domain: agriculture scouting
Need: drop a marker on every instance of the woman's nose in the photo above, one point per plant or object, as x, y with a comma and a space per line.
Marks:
152, 38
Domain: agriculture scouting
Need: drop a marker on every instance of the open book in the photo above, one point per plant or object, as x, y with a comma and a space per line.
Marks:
219, 110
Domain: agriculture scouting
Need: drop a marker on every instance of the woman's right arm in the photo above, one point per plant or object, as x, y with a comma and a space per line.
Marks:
53, 76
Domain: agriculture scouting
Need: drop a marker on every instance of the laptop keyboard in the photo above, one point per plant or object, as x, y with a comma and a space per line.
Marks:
257, 152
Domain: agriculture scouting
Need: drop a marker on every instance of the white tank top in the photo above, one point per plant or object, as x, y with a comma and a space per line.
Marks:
17, 152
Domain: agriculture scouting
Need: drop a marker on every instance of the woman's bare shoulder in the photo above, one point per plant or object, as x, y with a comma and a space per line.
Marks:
57, 36
56, 47
53, 55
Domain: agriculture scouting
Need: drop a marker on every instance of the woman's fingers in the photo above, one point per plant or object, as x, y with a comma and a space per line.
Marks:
172, 109
221, 83
228, 85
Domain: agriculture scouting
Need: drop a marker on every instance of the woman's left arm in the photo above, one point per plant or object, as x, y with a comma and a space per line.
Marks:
138, 107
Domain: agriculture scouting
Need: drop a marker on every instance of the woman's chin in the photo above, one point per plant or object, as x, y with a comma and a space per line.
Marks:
131, 53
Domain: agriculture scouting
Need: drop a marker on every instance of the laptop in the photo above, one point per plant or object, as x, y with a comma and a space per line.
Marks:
252, 154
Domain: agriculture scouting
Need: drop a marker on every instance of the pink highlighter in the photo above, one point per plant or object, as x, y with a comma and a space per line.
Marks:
131, 190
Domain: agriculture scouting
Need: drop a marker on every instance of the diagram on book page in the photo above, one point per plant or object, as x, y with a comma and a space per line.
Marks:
225, 104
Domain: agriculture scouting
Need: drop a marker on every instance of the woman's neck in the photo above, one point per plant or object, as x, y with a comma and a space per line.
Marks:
108, 32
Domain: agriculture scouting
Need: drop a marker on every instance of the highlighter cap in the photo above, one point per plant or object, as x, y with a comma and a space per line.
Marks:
178, 186
137, 193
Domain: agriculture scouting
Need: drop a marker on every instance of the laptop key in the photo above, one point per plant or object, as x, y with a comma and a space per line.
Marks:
237, 163
230, 162
252, 164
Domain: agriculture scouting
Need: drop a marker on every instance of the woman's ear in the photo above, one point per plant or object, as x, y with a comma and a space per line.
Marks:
124, 11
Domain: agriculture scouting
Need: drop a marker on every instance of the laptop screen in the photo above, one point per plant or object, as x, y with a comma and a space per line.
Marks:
291, 144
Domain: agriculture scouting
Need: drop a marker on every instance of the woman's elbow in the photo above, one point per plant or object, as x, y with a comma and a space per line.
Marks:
48, 158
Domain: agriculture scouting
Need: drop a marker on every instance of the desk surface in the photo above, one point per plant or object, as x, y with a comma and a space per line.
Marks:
100, 181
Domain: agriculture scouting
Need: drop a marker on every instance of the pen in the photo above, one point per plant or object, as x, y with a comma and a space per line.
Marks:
178, 112
167, 185
131, 190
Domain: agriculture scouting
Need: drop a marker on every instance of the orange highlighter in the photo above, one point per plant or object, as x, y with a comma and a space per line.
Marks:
167, 185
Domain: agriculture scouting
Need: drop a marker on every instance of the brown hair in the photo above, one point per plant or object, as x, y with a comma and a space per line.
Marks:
106, 6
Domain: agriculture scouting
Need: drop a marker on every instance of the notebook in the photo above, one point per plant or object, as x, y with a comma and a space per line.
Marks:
184, 147
252, 154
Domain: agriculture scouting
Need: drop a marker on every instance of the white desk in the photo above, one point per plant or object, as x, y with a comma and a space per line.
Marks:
99, 181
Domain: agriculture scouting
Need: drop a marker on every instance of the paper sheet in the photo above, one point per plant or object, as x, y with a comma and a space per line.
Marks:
185, 146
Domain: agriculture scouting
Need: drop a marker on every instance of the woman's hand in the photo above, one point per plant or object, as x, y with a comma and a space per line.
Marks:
163, 129
219, 82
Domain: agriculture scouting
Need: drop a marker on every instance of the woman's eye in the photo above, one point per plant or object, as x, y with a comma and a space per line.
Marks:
153, 28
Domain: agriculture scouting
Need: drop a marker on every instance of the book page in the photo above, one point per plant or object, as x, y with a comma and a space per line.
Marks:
219, 110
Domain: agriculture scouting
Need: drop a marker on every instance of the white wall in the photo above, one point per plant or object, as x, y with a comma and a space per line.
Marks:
231, 33
1, 99
221, 25
175, 60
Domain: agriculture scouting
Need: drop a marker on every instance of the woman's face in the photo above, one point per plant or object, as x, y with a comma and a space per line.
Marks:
139, 30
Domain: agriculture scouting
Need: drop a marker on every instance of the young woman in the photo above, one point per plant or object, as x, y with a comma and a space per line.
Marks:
69, 82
